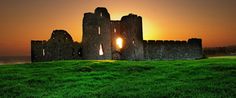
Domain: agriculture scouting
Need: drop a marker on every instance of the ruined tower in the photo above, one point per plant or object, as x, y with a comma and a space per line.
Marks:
96, 41
131, 29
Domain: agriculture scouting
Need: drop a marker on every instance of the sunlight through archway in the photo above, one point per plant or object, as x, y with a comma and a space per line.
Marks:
119, 42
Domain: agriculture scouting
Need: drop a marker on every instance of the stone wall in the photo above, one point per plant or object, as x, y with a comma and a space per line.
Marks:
38, 50
173, 50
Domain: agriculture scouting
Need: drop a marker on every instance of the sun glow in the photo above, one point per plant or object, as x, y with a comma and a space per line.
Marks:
100, 50
151, 31
119, 42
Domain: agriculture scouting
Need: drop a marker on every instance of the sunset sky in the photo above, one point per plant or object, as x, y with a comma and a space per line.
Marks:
23, 20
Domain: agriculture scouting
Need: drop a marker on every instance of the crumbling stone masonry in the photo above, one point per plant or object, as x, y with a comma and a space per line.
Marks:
99, 30
59, 47
99, 41
96, 35
172, 50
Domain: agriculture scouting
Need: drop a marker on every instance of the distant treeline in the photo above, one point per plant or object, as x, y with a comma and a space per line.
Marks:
219, 51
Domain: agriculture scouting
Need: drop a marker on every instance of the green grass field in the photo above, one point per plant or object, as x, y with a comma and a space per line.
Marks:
213, 77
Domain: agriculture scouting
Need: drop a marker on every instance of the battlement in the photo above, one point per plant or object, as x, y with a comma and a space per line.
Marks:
164, 42
88, 14
173, 49
131, 17
38, 42
190, 41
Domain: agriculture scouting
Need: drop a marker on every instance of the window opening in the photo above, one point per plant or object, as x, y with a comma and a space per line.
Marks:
99, 30
133, 41
101, 50
43, 52
119, 42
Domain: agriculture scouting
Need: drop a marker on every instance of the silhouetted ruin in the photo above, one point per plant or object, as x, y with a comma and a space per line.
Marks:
59, 47
104, 38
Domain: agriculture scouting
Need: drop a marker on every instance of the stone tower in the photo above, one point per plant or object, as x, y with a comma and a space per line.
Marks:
131, 29
96, 41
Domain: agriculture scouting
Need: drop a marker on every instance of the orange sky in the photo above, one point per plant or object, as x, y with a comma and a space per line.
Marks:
23, 20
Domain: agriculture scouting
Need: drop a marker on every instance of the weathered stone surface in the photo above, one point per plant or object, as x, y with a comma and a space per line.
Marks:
96, 35
99, 42
37, 50
59, 47
173, 50
131, 29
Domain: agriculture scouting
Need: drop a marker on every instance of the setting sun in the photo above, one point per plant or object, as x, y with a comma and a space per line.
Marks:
119, 42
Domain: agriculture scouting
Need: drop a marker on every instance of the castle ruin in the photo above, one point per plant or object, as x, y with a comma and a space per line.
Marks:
59, 47
104, 38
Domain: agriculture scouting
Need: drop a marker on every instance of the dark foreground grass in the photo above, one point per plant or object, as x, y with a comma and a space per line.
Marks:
214, 77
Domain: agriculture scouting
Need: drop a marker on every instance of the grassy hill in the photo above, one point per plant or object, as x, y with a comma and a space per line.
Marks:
213, 77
